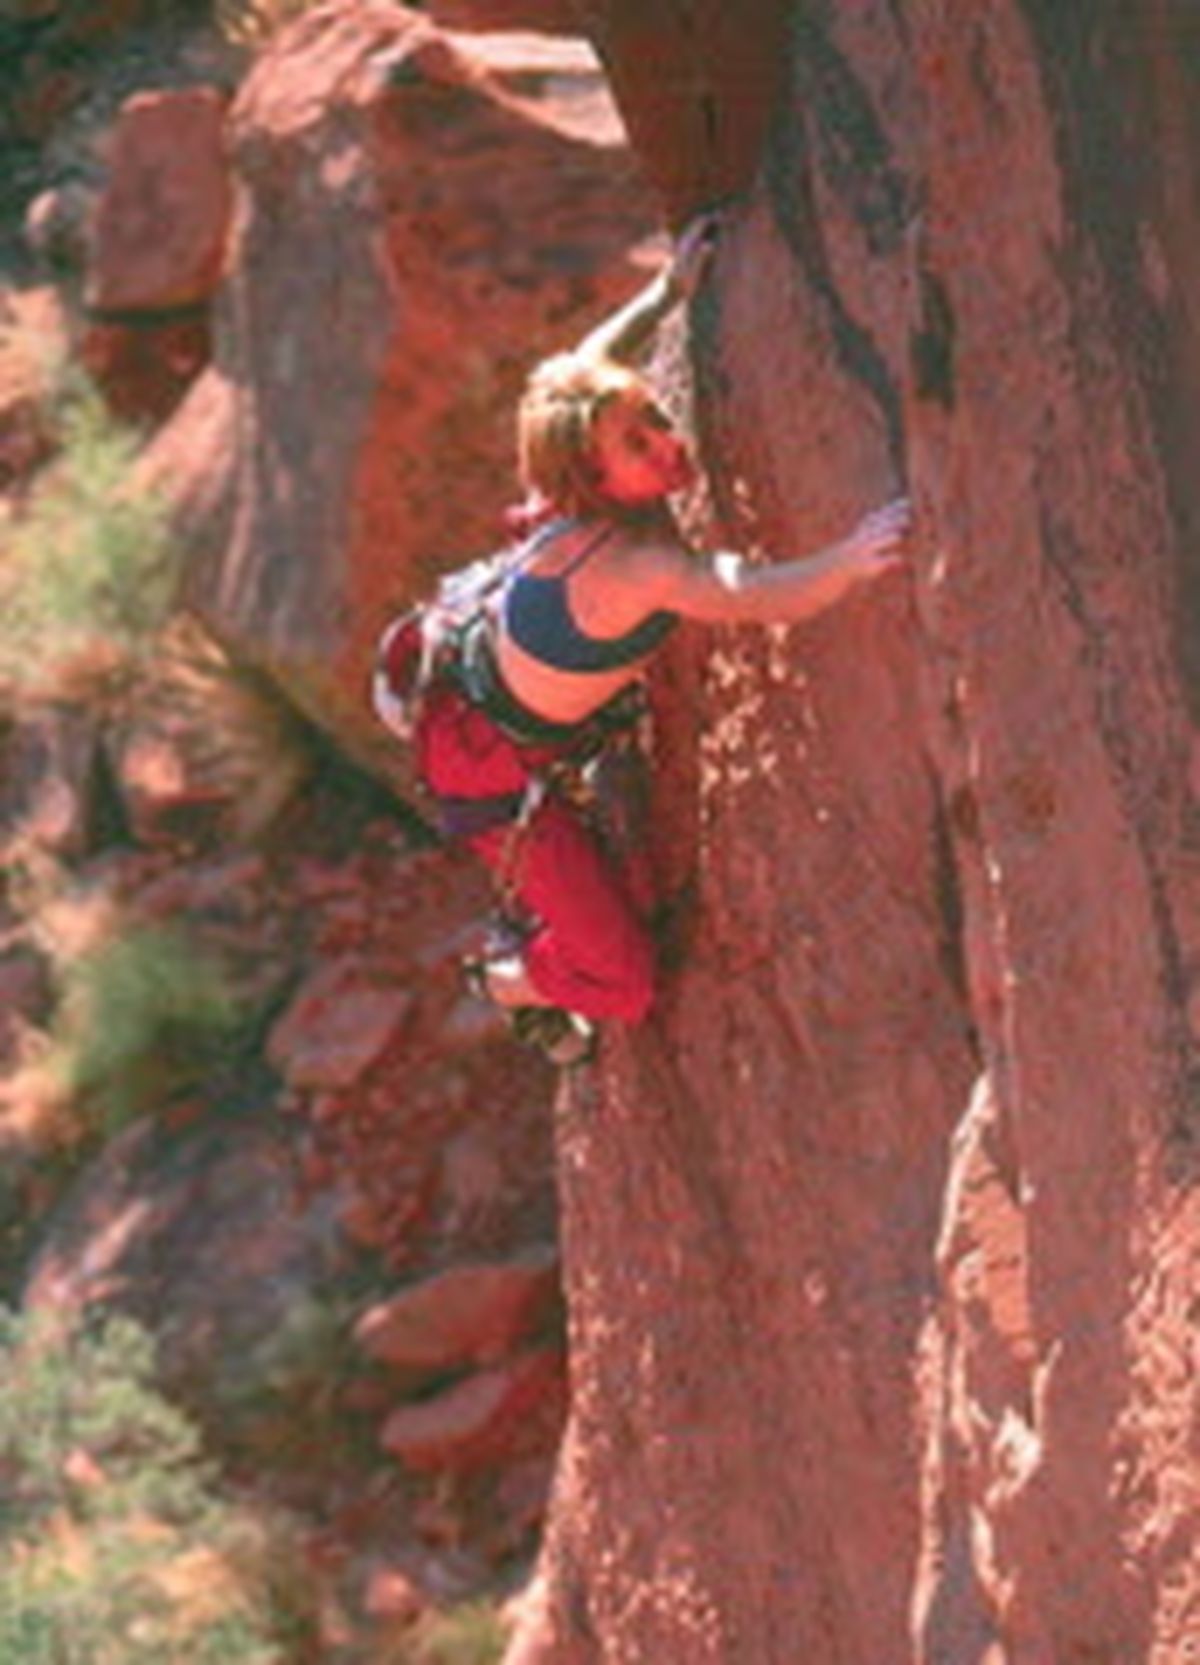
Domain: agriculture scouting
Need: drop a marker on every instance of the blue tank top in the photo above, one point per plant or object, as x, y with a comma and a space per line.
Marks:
536, 614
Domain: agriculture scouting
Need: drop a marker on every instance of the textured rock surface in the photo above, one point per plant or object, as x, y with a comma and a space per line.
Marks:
144, 368
484, 1418
696, 85
202, 755
231, 1217
32, 338
880, 1240
550, 16
203, 1236
392, 188
157, 250
470, 1314
906, 1162
162, 222
337, 1025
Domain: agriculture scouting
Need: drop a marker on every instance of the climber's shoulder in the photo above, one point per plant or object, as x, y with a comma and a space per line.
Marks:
651, 556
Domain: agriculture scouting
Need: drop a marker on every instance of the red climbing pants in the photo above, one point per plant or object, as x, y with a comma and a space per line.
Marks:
589, 951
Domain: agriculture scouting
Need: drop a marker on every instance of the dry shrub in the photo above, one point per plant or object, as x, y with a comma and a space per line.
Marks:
251, 22
116, 1545
88, 572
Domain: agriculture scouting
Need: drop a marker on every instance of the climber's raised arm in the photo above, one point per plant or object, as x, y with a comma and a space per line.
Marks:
623, 335
727, 588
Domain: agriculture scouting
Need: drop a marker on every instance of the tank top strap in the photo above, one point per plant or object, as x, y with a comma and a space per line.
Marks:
590, 546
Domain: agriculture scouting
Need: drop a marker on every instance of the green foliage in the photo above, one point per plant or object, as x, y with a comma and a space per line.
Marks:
115, 1548
141, 1013
469, 1635
304, 1353
89, 1393
36, 359
251, 22
88, 568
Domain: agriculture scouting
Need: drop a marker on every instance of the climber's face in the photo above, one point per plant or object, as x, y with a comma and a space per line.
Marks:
638, 455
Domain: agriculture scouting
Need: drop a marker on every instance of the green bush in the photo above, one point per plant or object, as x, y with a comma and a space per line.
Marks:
251, 22
88, 570
469, 1635
141, 1014
115, 1547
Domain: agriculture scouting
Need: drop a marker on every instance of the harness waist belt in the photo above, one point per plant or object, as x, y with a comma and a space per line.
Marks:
467, 817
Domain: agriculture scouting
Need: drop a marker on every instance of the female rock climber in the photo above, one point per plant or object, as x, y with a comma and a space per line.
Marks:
596, 589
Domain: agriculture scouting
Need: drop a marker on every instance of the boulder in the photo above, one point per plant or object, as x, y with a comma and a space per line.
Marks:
483, 1420
162, 222
33, 343
391, 1595
553, 17
144, 368
26, 996
697, 90
202, 1236
56, 225
202, 754
192, 464
412, 236
384, 926
339, 1023
560, 75
156, 250
469, 1314
49, 783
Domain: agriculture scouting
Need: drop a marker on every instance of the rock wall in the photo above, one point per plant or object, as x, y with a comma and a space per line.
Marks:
880, 1240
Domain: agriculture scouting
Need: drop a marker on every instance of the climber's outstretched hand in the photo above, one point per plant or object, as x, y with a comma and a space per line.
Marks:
878, 543
691, 254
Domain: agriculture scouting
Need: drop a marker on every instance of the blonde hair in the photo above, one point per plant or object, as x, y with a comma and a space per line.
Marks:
556, 423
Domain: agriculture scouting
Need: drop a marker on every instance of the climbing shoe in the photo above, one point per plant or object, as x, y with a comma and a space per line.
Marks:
502, 944
474, 976
565, 1038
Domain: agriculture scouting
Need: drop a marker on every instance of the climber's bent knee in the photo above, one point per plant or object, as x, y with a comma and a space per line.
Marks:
623, 987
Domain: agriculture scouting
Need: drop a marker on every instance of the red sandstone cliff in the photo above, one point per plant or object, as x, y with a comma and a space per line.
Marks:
880, 1241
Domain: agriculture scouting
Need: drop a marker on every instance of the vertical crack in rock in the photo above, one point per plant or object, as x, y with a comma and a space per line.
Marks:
1135, 199
831, 124
948, 894
932, 343
1062, 555
853, 151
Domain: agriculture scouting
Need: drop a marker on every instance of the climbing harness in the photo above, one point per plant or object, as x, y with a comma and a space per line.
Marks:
448, 639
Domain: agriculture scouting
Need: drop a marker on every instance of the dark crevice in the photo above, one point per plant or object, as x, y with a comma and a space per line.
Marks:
948, 896
851, 147
931, 345
1124, 100
108, 823
831, 124
1125, 96
710, 122
1062, 559
150, 317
